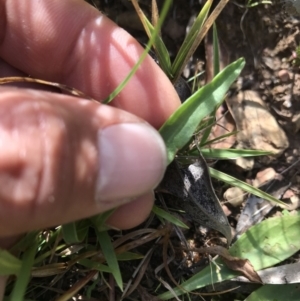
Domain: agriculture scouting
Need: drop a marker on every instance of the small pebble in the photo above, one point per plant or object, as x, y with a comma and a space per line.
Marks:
288, 194
226, 210
287, 104
264, 176
284, 75
234, 196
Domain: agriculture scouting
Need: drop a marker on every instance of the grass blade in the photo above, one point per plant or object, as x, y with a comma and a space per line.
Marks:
75, 232
160, 50
93, 265
9, 264
169, 217
225, 154
99, 221
179, 128
235, 182
24, 275
144, 54
197, 40
189, 41
216, 70
110, 256
216, 56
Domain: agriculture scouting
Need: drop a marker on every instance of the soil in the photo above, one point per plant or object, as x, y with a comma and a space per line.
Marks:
267, 37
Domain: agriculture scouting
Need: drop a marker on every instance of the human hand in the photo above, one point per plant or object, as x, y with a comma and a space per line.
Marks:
64, 158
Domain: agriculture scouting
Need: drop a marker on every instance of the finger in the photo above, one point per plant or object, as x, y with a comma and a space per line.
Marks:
71, 42
133, 213
64, 158
7, 70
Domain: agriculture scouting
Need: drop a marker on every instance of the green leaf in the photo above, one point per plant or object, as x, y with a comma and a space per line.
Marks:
216, 56
93, 265
9, 264
264, 245
75, 232
25, 242
243, 185
225, 154
270, 242
153, 38
99, 221
216, 70
110, 256
219, 138
190, 40
179, 128
24, 274
275, 292
160, 49
169, 217
129, 256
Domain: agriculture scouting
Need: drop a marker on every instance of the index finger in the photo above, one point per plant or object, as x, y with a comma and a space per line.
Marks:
72, 43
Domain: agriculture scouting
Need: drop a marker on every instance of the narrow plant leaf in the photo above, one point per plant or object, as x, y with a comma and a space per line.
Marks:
243, 185
9, 264
90, 264
219, 138
192, 183
75, 232
226, 154
99, 221
125, 256
216, 56
110, 256
179, 128
283, 292
25, 242
255, 209
169, 217
152, 36
265, 245
92, 287
24, 274
216, 70
199, 37
160, 49
190, 39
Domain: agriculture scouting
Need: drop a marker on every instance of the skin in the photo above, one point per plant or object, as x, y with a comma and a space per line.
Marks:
54, 148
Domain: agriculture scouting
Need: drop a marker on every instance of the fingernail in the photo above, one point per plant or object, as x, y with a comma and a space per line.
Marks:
132, 161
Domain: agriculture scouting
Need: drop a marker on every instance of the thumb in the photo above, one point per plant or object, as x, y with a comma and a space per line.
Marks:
64, 158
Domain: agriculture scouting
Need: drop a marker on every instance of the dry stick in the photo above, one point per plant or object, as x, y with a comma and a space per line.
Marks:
77, 286
133, 236
155, 15
21, 79
228, 259
112, 295
138, 273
